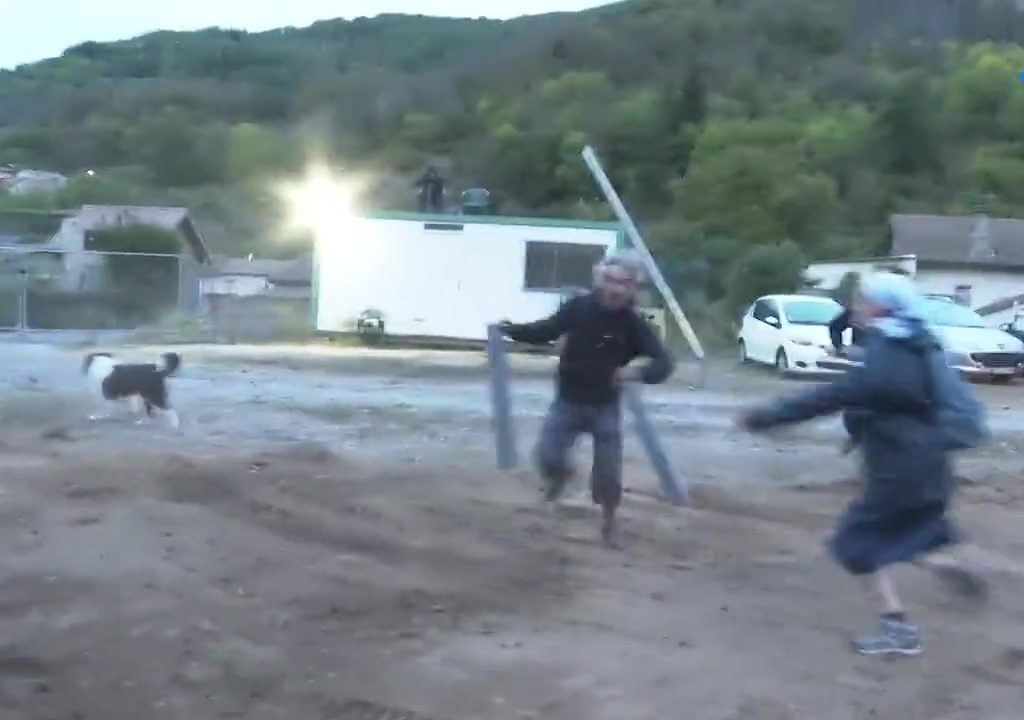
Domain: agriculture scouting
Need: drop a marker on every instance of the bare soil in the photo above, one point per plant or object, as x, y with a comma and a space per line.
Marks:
326, 538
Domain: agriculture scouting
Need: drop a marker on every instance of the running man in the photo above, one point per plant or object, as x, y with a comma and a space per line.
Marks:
603, 334
845, 320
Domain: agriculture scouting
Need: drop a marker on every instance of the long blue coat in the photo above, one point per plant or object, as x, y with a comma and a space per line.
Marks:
890, 408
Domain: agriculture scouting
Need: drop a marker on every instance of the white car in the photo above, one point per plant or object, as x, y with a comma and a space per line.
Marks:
971, 346
788, 331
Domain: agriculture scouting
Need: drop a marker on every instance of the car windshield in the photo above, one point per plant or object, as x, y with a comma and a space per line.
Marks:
948, 314
810, 312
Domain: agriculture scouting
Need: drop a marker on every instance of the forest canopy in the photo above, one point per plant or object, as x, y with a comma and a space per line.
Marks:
728, 125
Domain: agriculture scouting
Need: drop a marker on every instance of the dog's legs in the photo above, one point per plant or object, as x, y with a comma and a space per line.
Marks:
138, 406
172, 416
102, 412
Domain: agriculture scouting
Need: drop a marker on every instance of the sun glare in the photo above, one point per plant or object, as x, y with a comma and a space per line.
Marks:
321, 203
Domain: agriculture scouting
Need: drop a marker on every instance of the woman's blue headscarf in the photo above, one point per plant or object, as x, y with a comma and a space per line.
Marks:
906, 308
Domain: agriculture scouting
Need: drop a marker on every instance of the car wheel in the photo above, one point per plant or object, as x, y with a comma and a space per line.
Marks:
1001, 379
744, 358
781, 361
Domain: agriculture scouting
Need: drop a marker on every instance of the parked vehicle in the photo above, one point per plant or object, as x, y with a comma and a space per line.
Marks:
975, 349
972, 347
1015, 328
788, 331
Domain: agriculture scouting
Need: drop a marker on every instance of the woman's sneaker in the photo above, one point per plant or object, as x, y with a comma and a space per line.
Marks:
895, 637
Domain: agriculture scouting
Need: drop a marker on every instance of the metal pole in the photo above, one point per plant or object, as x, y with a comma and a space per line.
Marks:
23, 303
501, 403
594, 165
672, 483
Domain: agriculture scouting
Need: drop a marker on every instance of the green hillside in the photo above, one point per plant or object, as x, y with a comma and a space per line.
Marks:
727, 124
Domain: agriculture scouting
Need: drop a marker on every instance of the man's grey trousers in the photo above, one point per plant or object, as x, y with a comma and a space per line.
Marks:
564, 423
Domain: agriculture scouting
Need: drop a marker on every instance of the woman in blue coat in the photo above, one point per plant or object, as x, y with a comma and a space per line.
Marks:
903, 407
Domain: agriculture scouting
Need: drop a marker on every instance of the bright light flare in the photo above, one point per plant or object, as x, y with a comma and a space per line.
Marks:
321, 203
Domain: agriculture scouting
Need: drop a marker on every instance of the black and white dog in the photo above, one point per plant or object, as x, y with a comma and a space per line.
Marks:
142, 385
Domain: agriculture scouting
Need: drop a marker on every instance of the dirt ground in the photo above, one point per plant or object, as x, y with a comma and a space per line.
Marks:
327, 538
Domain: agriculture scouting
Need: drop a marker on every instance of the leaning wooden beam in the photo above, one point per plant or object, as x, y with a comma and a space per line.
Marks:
501, 402
672, 483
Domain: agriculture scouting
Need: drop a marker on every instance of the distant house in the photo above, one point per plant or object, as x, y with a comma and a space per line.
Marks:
241, 277
68, 237
253, 298
24, 182
77, 232
976, 260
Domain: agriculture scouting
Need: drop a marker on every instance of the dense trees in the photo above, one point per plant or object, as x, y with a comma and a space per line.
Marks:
767, 130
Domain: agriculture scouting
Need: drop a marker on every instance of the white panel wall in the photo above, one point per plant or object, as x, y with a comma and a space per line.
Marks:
435, 283
987, 287
240, 285
829, 274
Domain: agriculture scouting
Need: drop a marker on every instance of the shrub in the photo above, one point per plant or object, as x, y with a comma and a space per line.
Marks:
764, 270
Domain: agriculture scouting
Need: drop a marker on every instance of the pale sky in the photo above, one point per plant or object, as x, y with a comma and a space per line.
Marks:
36, 29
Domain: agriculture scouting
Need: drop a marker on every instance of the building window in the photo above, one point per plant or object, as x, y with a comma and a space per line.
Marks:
557, 266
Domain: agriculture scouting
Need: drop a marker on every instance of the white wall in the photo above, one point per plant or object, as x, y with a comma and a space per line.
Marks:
828, 274
987, 287
434, 283
238, 285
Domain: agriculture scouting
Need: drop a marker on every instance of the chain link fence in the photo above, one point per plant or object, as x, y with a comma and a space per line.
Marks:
92, 290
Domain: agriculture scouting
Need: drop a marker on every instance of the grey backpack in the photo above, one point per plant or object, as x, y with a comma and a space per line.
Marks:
959, 415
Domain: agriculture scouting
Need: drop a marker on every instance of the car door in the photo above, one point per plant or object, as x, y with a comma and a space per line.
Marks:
747, 329
753, 331
773, 333
765, 334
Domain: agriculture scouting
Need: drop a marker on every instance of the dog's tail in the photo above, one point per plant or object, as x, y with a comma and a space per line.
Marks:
171, 363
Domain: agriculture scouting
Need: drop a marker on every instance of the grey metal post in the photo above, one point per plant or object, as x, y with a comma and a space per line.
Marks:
672, 483
23, 302
610, 194
501, 403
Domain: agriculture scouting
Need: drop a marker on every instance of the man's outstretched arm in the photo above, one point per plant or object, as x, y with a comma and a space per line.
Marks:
542, 331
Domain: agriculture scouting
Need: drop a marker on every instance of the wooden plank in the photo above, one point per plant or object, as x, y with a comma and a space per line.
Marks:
594, 165
501, 401
672, 483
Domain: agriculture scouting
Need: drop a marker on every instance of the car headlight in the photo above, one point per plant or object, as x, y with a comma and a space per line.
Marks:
959, 359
